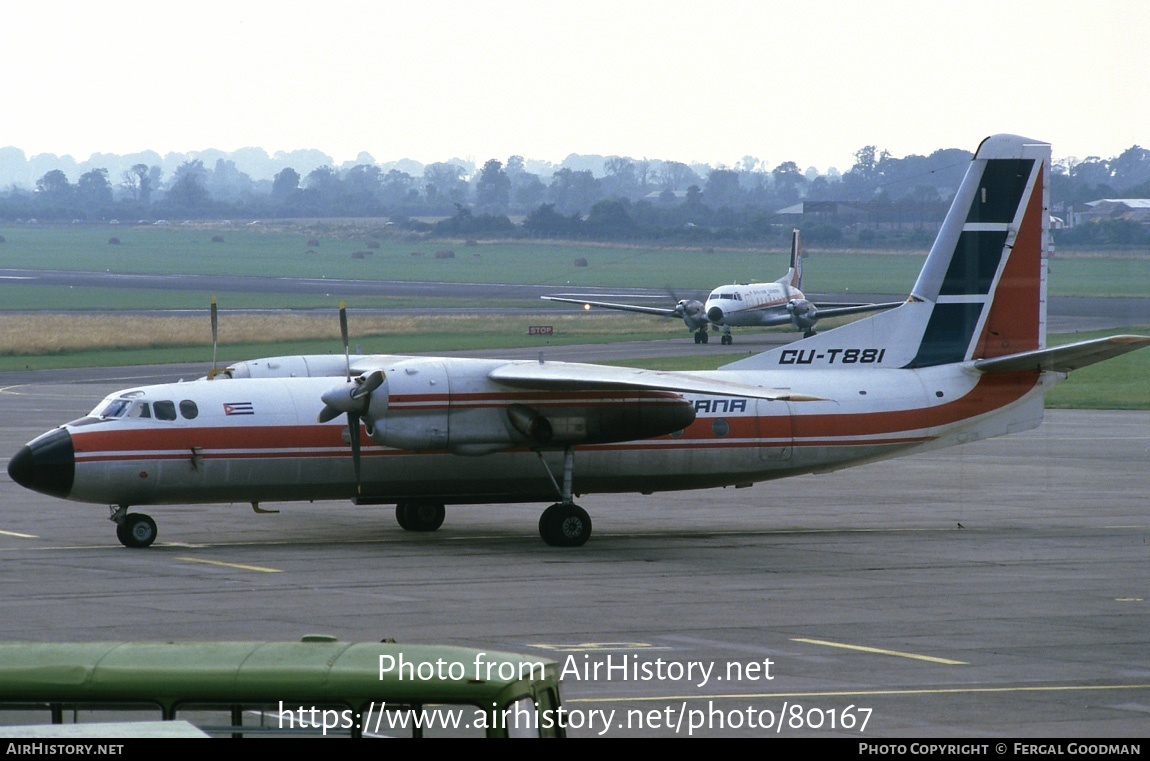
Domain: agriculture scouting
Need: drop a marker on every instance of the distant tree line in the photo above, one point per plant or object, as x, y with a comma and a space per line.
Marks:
879, 198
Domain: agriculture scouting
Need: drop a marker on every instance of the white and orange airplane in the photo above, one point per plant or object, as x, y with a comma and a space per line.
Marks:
962, 359
742, 305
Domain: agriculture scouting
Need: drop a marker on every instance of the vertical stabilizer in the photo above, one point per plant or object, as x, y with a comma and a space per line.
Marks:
794, 276
982, 290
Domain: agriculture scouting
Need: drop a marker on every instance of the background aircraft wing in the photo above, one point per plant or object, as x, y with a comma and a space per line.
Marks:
661, 311
834, 309
1063, 359
571, 376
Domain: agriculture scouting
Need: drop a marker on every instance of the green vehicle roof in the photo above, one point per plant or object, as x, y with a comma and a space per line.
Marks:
250, 672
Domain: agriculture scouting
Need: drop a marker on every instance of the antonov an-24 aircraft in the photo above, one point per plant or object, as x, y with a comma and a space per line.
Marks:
964, 358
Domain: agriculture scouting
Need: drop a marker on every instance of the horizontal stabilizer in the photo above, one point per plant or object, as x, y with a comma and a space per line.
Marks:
1063, 359
567, 376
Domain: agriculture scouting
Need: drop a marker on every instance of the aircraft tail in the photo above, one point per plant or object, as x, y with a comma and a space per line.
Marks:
794, 276
982, 290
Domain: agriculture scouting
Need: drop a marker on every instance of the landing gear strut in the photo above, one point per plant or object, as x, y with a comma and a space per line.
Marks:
419, 516
564, 524
135, 530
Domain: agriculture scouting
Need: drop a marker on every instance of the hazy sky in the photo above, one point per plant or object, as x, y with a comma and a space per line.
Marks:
698, 80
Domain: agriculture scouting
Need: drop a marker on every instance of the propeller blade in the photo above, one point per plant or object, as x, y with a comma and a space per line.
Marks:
367, 385
328, 413
343, 334
353, 434
215, 333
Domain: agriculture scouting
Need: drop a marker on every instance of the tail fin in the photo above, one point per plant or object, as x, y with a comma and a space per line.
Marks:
982, 290
794, 276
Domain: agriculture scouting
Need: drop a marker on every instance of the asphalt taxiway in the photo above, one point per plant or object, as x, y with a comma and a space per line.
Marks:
999, 589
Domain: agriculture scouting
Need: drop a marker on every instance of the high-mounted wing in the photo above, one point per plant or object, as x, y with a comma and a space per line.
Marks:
676, 311
571, 376
833, 309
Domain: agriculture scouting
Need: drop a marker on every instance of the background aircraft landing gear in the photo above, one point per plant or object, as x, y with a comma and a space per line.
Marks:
565, 525
419, 516
701, 336
136, 530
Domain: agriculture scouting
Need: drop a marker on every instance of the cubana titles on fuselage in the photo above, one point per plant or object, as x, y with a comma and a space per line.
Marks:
964, 358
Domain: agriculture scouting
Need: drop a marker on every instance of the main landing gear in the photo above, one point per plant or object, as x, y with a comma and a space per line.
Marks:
419, 516
701, 336
133, 530
564, 524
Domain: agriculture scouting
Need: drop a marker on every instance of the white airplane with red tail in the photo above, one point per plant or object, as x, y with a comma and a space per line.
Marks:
963, 359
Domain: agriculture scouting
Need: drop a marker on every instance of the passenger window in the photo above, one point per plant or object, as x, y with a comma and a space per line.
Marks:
165, 410
720, 427
188, 409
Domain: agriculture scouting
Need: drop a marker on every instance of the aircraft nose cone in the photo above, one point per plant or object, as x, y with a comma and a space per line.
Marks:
714, 314
46, 464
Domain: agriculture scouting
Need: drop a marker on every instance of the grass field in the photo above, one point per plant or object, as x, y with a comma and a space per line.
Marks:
244, 252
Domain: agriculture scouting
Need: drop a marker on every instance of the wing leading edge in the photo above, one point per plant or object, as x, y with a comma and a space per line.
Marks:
569, 376
660, 311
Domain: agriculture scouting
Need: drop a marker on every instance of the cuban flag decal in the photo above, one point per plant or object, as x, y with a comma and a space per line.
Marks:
238, 408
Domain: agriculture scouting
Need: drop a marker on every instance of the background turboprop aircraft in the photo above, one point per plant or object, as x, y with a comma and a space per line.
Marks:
963, 358
748, 305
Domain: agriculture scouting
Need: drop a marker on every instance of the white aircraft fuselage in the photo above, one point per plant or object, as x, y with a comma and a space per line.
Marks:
752, 304
447, 438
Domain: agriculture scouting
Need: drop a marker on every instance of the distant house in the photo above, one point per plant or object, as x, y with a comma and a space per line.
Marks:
822, 211
666, 196
1132, 209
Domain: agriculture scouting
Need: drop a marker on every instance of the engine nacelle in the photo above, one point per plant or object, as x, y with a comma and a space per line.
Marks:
423, 406
624, 419
300, 366
804, 314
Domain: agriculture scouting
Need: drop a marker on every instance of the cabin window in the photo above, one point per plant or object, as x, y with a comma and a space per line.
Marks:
189, 409
165, 410
720, 427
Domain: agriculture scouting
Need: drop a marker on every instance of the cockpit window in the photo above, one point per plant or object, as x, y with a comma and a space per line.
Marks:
165, 410
116, 408
142, 409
